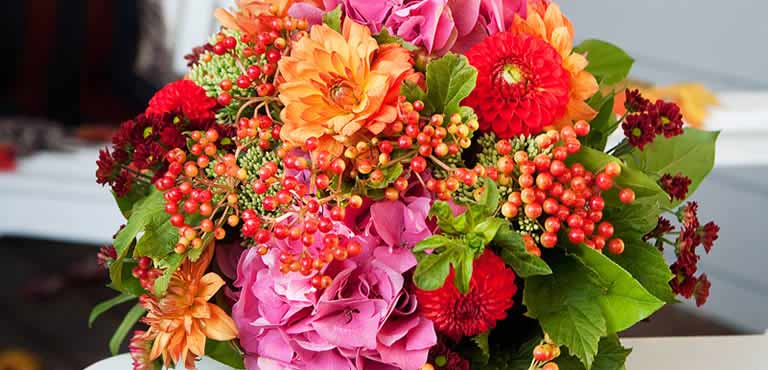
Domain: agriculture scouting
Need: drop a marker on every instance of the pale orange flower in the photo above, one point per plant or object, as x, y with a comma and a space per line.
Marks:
548, 22
338, 86
180, 321
254, 16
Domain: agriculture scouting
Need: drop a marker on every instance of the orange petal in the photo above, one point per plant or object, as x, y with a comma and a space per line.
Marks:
220, 326
210, 284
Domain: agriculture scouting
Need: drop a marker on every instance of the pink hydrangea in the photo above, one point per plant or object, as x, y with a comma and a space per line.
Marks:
365, 319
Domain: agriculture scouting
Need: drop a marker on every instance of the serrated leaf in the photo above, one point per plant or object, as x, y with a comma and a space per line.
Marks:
624, 301
607, 62
692, 154
170, 265
433, 269
450, 79
489, 198
125, 203
602, 126
125, 326
647, 265
412, 92
446, 221
225, 352
384, 37
333, 19
432, 242
489, 227
514, 254
481, 341
149, 211
107, 305
610, 356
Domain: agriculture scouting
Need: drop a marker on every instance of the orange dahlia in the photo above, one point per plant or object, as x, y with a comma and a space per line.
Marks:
546, 21
254, 16
337, 84
180, 321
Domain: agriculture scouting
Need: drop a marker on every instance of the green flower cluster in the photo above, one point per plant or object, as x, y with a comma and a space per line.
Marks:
209, 75
252, 161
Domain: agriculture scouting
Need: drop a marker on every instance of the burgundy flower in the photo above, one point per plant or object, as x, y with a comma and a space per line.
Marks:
106, 167
635, 102
688, 215
106, 255
442, 358
701, 292
670, 119
663, 226
676, 186
709, 233
640, 129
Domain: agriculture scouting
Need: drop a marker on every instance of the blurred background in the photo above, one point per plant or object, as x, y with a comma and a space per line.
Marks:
74, 69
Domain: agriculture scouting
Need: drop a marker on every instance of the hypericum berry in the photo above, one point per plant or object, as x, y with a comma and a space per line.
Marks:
224, 99
550, 366
576, 236
509, 210
548, 239
581, 128
418, 164
616, 246
605, 229
543, 353
613, 169
627, 195
603, 181
533, 211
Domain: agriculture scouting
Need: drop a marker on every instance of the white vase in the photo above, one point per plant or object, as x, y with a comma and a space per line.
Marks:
123, 362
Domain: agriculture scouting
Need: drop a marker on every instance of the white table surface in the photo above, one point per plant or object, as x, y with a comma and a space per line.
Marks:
676, 353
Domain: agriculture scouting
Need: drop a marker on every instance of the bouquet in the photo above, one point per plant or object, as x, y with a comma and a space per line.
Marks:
412, 184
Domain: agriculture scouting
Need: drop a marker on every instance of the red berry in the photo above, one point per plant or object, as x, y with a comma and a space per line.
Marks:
581, 128
557, 168
552, 224
224, 99
243, 82
550, 206
253, 72
596, 203
613, 169
627, 195
575, 222
603, 181
548, 239
418, 164
177, 220
230, 42
605, 229
533, 210
576, 236
616, 246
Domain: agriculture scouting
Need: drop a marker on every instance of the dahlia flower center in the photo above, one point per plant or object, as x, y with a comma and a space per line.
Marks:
512, 74
467, 307
344, 95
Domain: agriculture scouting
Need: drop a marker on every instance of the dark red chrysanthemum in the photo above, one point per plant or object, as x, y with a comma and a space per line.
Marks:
635, 102
709, 233
663, 226
106, 255
521, 84
670, 119
676, 186
701, 292
182, 96
193, 58
105, 171
442, 358
640, 129
489, 297
688, 215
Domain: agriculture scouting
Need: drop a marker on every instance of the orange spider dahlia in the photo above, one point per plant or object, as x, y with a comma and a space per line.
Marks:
337, 84
546, 21
180, 321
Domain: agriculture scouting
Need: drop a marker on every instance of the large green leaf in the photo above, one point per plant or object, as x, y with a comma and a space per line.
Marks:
434, 268
587, 297
450, 79
646, 264
623, 299
610, 356
125, 326
514, 254
107, 305
412, 91
691, 154
138, 192
607, 62
225, 352
148, 213
446, 221
170, 265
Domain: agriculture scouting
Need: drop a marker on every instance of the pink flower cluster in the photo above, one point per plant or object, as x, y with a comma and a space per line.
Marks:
366, 319
436, 25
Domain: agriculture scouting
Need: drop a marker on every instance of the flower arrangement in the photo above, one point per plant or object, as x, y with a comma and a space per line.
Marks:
418, 184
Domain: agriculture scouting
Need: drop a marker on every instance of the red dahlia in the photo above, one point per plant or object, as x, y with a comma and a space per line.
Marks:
489, 297
182, 96
676, 186
521, 84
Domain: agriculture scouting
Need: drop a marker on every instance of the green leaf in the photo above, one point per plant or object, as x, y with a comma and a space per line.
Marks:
514, 254
450, 79
433, 269
122, 330
646, 264
158, 240
446, 221
384, 37
333, 19
107, 305
391, 174
602, 126
170, 264
610, 356
481, 341
412, 91
587, 297
463, 268
225, 352
489, 227
607, 62
691, 154
122, 279
489, 199
433, 242
138, 192
624, 301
